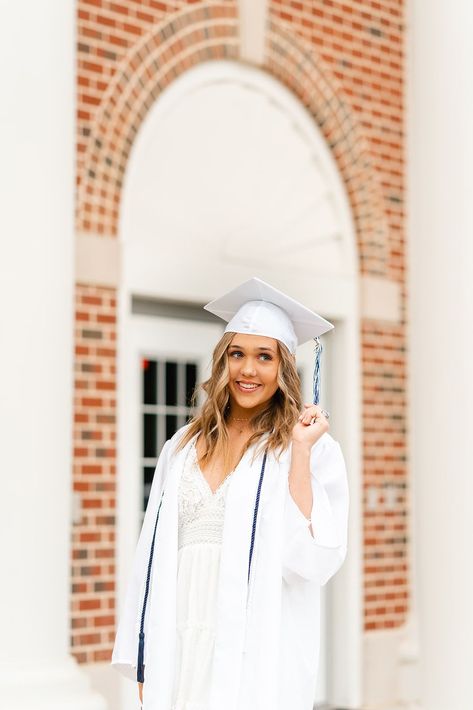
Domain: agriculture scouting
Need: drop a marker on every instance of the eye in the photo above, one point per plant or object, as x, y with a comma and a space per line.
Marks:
236, 353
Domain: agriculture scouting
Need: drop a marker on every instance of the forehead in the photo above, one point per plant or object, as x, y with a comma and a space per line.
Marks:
254, 342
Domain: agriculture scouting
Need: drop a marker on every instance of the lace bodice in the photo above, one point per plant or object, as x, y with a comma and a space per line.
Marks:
201, 512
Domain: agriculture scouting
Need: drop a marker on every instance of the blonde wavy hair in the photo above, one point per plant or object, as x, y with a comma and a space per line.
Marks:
278, 416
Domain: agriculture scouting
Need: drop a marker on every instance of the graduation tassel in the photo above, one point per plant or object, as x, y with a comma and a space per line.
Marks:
140, 673
140, 668
255, 513
316, 380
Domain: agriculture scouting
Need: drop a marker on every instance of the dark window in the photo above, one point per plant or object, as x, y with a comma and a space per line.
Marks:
167, 388
150, 383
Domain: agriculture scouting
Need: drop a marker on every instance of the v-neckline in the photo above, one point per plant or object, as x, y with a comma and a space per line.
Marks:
201, 473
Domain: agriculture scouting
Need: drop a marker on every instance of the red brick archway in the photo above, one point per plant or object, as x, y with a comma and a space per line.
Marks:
210, 32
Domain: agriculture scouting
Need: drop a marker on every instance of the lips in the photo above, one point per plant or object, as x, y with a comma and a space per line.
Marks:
247, 387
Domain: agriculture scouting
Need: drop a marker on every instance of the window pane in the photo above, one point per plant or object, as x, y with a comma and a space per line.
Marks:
171, 383
150, 381
167, 388
191, 377
149, 436
148, 472
171, 425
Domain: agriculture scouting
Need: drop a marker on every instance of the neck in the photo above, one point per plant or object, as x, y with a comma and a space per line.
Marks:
243, 415
237, 412
239, 425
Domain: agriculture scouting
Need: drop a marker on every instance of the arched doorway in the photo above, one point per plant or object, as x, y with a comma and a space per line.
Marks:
229, 177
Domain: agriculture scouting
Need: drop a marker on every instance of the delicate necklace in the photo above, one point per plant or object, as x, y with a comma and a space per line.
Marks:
240, 419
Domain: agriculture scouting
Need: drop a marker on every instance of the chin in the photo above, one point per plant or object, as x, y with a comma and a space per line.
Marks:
246, 404
252, 405
248, 401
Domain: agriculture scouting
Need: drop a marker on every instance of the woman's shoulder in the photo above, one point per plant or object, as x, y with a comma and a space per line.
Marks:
178, 435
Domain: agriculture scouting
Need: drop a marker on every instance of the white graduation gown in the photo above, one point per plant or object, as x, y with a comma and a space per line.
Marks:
267, 639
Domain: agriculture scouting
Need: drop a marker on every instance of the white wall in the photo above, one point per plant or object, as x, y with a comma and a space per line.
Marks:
440, 159
36, 307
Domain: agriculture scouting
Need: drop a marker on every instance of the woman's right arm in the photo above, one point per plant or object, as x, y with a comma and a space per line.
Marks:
140, 692
319, 555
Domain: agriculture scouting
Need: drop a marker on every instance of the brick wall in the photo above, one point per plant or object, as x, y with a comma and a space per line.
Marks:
106, 31
94, 437
386, 571
344, 61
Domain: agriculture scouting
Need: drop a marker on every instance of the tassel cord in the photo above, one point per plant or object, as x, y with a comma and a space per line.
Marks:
255, 513
141, 644
316, 378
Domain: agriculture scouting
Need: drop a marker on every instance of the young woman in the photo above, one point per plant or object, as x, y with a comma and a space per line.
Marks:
247, 519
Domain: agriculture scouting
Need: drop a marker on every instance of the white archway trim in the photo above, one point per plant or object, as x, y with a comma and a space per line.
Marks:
380, 299
281, 210
253, 18
97, 260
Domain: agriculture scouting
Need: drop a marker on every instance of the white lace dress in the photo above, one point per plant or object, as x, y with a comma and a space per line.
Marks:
201, 515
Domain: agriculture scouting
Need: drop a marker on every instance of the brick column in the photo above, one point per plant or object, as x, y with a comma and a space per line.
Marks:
36, 289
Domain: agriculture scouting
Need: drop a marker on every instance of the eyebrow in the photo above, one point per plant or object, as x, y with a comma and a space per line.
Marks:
240, 347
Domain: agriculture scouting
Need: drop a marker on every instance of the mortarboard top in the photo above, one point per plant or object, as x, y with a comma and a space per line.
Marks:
257, 308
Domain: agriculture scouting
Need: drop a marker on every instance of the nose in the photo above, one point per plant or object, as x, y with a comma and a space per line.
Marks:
248, 369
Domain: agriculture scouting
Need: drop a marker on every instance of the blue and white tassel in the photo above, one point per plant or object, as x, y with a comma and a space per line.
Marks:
316, 379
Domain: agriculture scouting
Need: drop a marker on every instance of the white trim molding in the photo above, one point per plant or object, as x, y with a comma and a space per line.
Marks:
253, 18
97, 260
380, 299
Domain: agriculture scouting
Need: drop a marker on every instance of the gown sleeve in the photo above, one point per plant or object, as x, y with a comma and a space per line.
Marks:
125, 650
317, 558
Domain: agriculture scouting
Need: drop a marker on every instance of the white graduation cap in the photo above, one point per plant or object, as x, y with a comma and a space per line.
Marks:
257, 308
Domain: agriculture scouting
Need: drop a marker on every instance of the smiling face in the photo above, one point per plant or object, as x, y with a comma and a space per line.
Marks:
253, 362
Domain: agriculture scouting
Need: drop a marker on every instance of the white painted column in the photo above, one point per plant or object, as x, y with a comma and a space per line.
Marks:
36, 319
440, 157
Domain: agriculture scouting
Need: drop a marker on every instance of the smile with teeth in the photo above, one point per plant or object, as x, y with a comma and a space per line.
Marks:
247, 386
